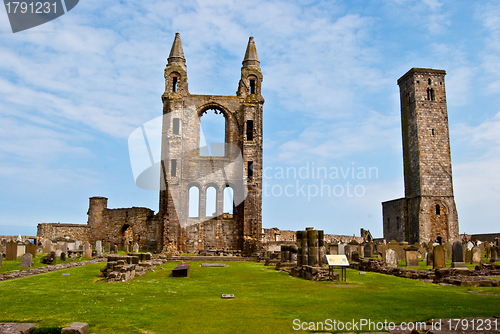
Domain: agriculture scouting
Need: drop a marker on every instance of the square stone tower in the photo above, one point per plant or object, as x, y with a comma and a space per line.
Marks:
189, 174
428, 211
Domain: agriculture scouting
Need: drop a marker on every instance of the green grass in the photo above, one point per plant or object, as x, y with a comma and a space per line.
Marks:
10, 266
266, 301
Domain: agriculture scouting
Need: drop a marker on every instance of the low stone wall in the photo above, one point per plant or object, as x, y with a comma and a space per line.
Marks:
43, 270
209, 258
461, 277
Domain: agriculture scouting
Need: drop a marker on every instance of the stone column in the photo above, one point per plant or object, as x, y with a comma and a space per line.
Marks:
312, 240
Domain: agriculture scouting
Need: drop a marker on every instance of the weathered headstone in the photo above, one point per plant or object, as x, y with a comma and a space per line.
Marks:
495, 254
27, 260
58, 252
31, 248
48, 247
98, 247
107, 247
457, 258
1, 258
341, 249
77, 245
411, 256
468, 256
448, 251
476, 254
430, 258
334, 249
63, 256
86, 246
88, 253
391, 257
11, 251
355, 256
136, 248
65, 247
114, 249
439, 257
368, 251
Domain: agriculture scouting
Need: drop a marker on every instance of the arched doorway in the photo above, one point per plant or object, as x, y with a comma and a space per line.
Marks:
126, 236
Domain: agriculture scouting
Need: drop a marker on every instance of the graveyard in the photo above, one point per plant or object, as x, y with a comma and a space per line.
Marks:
267, 296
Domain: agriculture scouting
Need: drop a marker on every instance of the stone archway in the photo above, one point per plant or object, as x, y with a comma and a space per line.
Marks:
126, 236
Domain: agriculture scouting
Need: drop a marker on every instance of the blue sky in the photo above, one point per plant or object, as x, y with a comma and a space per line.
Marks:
73, 90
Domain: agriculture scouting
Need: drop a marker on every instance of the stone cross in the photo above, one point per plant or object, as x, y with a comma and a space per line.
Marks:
391, 257
26, 260
11, 251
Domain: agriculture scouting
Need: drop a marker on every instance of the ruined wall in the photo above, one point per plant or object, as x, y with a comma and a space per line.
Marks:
184, 165
54, 231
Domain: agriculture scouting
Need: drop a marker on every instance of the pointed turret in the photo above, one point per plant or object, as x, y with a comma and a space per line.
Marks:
176, 53
251, 58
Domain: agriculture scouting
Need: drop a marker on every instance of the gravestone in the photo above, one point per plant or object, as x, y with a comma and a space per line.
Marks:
136, 248
439, 257
98, 247
88, 253
31, 248
65, 247
341, 249
21, 248
107, 247
457, 258
58, 252
411, 256
11, 251
48, 247
448, 251
63, 256
495, 254
334, 249
375, 249
77, 245
355, 256
49, 259
476, 254
470, 245
114, 249
368, 251
430, 258
87, 246
27, 260
468, 256
391, 257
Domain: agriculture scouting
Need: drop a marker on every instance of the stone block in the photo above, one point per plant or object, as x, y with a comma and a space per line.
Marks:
76, 328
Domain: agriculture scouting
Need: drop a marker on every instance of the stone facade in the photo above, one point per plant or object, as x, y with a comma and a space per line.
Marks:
185, 165
428, 211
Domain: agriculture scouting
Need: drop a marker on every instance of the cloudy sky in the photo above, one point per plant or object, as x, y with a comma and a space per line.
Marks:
74, 89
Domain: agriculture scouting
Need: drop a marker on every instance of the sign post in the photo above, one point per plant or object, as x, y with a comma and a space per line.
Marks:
338, 261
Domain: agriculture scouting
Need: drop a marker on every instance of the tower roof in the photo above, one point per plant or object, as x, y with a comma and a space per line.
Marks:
176, 53
251, 58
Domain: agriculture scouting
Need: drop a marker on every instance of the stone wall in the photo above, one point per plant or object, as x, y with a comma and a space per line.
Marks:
55, 231
394, 215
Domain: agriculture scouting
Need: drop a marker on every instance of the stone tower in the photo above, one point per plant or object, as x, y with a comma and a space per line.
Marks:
188, 173
428, 211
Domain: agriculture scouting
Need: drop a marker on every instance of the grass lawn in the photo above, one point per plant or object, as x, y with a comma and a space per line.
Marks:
266, 301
